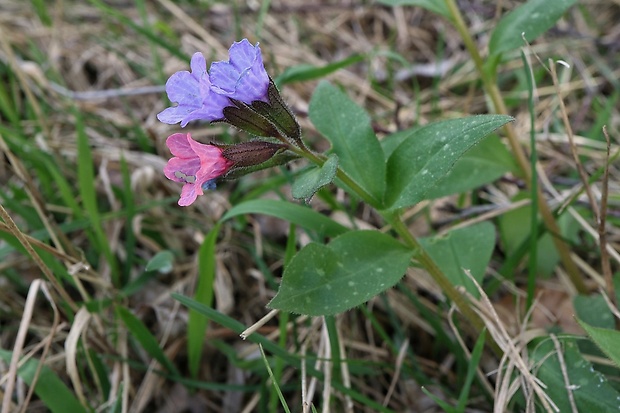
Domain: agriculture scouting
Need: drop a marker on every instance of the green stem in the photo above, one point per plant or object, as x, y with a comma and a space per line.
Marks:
320, 160
399, 226
525, 167
440, 278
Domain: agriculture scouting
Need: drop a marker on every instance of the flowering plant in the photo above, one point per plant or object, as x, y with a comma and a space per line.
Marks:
355, 265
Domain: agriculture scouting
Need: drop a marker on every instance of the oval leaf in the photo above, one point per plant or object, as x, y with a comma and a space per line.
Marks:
310, 181
428, 154
347, 127
608, 340
591, 391
532, 19
484, 163
353, 268
468, 248
162, 262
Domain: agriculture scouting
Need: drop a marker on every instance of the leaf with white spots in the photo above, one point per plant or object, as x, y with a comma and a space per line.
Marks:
571, 380
428, 154
347, 126
350, 270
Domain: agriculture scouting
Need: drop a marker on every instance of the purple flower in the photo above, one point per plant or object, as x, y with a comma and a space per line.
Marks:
203, 96
243, 76
192, 91
194, 164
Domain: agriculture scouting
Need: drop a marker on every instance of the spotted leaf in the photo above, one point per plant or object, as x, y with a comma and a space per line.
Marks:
350, 270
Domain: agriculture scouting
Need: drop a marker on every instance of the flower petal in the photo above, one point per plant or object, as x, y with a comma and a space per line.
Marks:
189, 193
182, 169
192, 93
185, 89
172, 115
243, 54
212, 163
243, 77
178, 143
198, 66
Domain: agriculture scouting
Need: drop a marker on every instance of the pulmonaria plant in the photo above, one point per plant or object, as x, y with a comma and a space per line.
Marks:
239, 92
356, 265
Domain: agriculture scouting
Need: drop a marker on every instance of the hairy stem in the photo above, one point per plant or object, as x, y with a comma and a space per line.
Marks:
440, 278
399, 226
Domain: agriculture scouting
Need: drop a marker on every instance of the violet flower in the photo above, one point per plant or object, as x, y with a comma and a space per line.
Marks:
194, 164
192, 91
203, 96
243, 76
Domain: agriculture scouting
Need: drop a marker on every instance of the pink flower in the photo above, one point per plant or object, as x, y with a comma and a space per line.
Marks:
194, 164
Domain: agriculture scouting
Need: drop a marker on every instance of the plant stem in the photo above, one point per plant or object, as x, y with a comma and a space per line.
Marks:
440, 278
494, 93
399, 226
320, 160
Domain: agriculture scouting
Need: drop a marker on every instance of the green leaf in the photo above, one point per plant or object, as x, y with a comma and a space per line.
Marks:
162, 262
350, 270
436, 6
532, 19
428, 154
515, 233
347, 127
197, 325
141, 333
593, 309
468, 248
310, 181
302, 216
54, 394
591, 390
484, 163
304, 72
608, 340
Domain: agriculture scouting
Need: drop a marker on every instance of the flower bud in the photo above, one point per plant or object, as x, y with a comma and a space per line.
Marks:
250, 153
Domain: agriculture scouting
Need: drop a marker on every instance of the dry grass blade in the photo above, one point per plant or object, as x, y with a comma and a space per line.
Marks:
78, 329
512, 348
18, 347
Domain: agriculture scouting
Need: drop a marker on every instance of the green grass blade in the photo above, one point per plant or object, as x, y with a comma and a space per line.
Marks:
197, 324
274, 382
296, 214
86, 183
55, 395
145, 338
533, 256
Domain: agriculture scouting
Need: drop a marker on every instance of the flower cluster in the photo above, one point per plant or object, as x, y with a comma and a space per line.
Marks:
201, 95
239, 92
